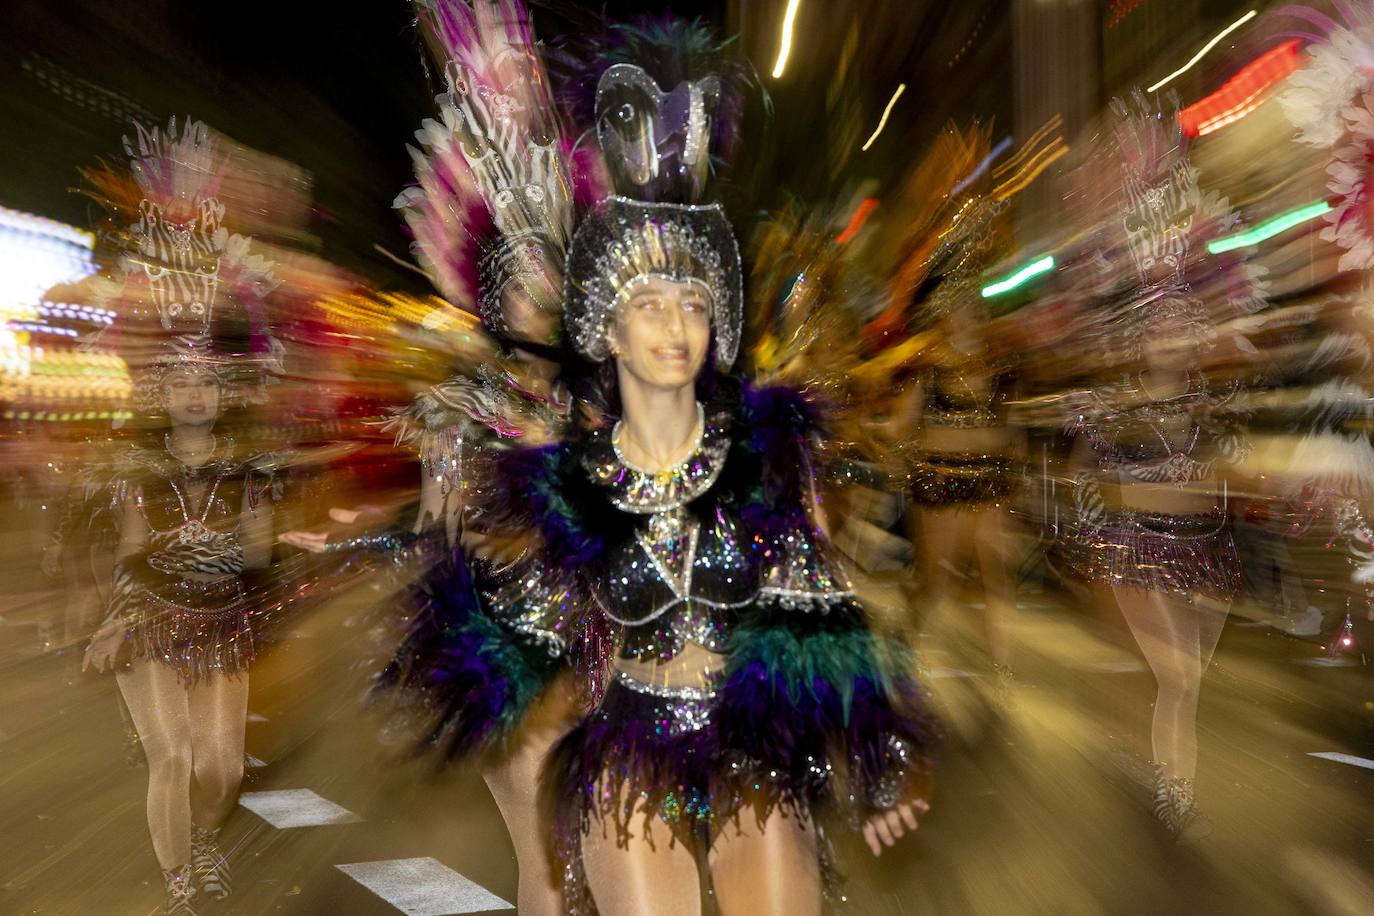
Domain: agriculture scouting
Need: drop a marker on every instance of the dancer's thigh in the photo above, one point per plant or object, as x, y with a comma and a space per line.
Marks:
642, 874
768, 869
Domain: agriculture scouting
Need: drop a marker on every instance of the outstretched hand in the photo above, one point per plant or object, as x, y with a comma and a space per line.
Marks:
887, 827
104, 647
310, 541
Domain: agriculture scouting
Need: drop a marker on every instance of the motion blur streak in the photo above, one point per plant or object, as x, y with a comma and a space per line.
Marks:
1057, 316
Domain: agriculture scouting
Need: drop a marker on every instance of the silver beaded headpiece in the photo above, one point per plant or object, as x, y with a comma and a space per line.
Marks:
656, 146
627, 240
179, 354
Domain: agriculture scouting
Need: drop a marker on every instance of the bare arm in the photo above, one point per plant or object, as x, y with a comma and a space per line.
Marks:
133, 530
255, 528
107, 641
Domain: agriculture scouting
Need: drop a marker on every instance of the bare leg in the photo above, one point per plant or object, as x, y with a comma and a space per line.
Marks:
992, 534
647, 875
946, 540
219, 713
1177, 637
771, 870
158, 703
514, 782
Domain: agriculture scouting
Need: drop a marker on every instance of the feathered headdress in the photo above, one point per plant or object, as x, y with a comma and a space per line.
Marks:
1330, 101
498, 184
185, 289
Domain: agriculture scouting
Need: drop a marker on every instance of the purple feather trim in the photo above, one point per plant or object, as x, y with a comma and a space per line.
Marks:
822, 743
461, 679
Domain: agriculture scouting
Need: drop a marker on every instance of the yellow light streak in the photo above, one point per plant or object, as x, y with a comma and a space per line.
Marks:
1205, 48
788, 18
1035, 138
882, 122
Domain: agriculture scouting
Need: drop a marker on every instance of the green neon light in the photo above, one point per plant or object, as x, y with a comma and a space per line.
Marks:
1033, 269
1281, 223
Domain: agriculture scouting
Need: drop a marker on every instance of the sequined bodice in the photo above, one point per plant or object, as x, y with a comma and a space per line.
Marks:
679, 578
1156, 441
972, 400
669, 589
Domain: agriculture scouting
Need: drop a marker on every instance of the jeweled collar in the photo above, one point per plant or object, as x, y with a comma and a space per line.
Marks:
643, 492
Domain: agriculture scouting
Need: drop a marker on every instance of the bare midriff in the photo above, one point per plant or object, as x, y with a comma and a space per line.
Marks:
978, 440
1198, 498
695, 666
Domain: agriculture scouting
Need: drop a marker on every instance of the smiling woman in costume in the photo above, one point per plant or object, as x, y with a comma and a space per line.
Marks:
671, 553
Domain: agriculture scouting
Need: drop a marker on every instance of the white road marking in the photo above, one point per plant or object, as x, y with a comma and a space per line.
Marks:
1346, 758
423, 887
287, 808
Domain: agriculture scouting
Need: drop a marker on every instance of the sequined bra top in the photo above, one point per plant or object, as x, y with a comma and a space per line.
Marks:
955, 400
680, 575
192, 515
1141, 437
679, 578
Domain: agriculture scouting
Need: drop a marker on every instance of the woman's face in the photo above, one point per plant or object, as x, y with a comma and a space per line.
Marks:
662, 332
192, 397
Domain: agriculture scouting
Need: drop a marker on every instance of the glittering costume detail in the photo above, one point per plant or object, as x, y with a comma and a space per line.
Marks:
210, 867
648, 492
1177, 553
181, 270
626, 240
482, 646
497, 182
952, 401
655, 142
1189, 823
181, 891
1161, 805
183, 598
952, 480
1181, 554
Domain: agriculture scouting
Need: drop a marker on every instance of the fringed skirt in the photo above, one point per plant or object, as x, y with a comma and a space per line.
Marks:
197, 630
650, 764
683, 764
645, 754
1180, 554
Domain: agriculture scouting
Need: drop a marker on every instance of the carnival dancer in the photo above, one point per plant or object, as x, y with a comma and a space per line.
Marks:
960, 451
669, 550
193, 512
492, 213
1156, 446
1330, 475
672, 555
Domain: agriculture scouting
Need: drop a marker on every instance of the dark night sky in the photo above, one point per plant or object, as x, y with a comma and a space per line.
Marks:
339, 89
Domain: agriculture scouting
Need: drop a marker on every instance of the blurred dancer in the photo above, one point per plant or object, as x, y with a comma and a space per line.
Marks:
494, 200
962, 470
670, 557
1329, 103
1153, 511
192, 518
193, 514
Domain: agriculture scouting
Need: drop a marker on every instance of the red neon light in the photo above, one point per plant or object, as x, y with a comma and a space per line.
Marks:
1119, 10
1242, 93
856, 222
